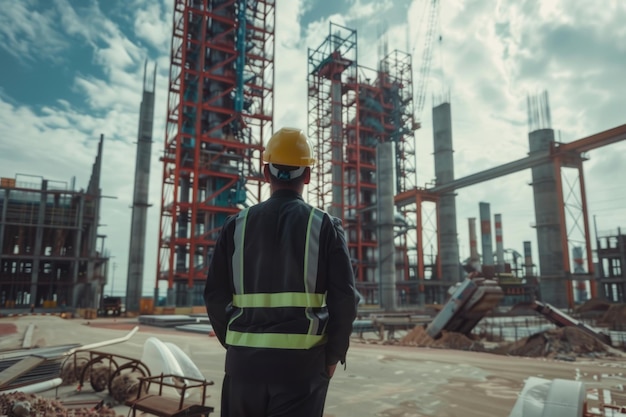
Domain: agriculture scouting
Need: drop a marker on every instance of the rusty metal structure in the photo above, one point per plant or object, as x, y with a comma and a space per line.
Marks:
51, 252
219, 115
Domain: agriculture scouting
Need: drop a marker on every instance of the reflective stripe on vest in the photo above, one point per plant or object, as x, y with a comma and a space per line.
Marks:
273, 340
283, 299
308, 299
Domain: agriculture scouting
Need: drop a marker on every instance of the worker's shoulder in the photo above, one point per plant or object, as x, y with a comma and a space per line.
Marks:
335, 221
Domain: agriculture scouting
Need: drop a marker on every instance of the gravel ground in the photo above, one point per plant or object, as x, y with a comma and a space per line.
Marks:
379, 380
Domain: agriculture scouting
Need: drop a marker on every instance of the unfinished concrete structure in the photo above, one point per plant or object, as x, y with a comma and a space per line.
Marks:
444, 174
51, 253
137, 244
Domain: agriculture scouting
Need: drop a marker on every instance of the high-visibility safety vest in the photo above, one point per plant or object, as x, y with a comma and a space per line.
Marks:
306, 309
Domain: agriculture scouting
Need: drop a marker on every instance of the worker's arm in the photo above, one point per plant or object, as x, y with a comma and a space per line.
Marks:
341, 297
217, 291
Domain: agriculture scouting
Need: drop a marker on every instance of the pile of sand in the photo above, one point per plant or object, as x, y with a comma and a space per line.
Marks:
448, 340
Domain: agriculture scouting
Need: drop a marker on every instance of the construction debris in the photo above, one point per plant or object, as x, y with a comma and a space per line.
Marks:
19, 404
565, 343
562, 343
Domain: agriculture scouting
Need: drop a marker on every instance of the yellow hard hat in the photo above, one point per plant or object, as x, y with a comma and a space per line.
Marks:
289, 146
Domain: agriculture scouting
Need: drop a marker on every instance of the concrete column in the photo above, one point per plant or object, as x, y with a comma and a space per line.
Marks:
385, 219
444, 173
473, 243
485, 233
528, 260
190, 294
137, 246
499, 243
171, 297
547, 223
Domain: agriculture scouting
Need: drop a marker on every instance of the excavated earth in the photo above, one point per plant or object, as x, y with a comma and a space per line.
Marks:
564, 343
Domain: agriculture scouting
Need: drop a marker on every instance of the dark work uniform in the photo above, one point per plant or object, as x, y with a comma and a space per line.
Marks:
281, 298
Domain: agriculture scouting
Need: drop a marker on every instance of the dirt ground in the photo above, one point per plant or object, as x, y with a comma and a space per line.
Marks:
402, 380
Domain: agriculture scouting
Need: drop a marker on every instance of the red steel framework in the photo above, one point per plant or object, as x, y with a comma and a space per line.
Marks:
219, 115
351, 110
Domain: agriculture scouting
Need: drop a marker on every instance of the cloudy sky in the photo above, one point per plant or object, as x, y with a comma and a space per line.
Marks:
72, 70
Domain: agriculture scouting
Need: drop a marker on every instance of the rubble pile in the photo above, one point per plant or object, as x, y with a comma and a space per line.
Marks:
19, 404
561, 343
448, 340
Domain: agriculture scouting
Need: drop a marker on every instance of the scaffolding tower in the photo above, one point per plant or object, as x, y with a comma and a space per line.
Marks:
219, 114
352, 109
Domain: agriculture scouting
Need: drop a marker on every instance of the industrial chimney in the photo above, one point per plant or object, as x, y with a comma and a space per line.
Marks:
474, 256
499, 244
485, 232
528, 259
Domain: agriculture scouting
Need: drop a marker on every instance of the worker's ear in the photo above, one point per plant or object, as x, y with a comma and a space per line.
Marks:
307, 175
266, 172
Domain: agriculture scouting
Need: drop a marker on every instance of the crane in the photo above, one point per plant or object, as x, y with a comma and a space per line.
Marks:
427, 55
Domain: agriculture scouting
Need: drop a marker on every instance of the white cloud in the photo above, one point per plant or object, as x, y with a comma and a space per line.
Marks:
153, 25
28, 34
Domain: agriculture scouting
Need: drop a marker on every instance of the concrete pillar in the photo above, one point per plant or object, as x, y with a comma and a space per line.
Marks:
547, 222
385, 219
485, 233
137, 245
528, 260
190, 295
444, 173
499, 243
473, 243
170, 297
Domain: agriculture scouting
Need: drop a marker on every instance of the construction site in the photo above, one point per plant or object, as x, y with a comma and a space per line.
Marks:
417, 289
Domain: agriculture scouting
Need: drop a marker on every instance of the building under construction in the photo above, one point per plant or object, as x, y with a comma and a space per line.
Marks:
51, 253
403, 238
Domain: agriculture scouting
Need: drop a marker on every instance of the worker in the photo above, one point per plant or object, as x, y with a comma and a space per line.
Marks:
280, 293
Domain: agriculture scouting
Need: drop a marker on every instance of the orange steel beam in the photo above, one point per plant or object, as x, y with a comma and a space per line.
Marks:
583, 198
595, 141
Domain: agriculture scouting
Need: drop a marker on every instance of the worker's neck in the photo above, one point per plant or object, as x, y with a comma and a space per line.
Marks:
278, 186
